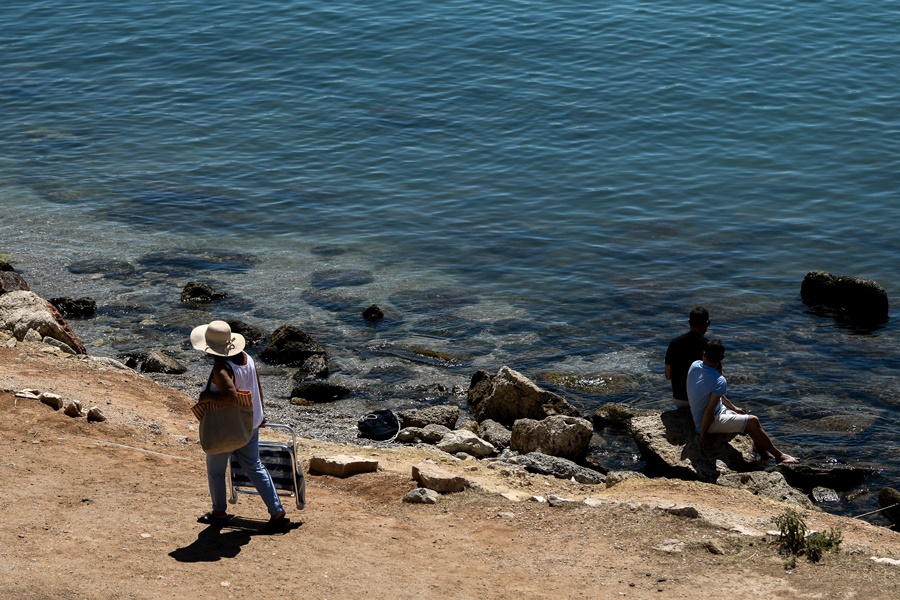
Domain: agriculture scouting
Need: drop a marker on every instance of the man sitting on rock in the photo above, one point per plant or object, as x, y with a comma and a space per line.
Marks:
714, 413
683, 351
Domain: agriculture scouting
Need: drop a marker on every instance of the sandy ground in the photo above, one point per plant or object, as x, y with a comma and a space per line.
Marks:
107, 510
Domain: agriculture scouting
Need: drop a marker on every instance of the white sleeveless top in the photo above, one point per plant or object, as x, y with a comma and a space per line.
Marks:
245, 379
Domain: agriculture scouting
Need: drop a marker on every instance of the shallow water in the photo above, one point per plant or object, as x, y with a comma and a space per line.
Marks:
549, 186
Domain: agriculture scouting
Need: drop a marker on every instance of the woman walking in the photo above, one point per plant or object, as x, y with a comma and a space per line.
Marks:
234, 370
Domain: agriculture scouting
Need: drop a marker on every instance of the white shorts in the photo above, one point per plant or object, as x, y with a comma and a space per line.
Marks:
728, 421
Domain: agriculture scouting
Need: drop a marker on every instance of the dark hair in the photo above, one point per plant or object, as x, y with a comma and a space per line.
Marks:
715, 351
699, 316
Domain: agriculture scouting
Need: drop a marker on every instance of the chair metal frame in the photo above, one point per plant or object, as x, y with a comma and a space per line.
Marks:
272, 454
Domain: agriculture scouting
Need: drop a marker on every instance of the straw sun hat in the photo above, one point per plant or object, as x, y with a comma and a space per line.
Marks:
216, 338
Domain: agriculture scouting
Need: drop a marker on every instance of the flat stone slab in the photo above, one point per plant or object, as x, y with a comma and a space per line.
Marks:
342, 465
440, 480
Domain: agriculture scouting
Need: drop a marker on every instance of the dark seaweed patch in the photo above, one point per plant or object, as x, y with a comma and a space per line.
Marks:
433, 300
185, 261
112, 269
333, 278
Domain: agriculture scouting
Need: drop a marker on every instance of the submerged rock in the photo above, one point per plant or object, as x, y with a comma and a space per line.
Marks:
855, 299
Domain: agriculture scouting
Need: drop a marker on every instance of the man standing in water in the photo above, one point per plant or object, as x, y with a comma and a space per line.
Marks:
683, 351
714, 413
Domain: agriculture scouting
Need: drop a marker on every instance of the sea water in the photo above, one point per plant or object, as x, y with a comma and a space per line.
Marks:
550, 186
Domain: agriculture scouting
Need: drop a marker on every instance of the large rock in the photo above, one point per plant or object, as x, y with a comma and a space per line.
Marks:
671, 448
767, 484
433, 415
615, 416
494, 433
561, 468
291, 346
509, 396
75, 308
253, 335
200, 293
157, 362
808, 475
568, 437
855, 299
319, 391
22, 312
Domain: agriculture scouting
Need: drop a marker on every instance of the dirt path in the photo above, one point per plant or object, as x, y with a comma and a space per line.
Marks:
107, 510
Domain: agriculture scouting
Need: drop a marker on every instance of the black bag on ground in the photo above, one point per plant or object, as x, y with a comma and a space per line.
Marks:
381, 424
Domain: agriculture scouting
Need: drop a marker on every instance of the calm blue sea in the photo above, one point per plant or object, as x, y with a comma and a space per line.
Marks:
549, 185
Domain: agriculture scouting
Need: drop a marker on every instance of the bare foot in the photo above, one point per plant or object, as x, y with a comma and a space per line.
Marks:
787, 459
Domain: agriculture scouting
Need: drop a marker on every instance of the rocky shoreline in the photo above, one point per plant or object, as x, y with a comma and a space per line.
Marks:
502, 417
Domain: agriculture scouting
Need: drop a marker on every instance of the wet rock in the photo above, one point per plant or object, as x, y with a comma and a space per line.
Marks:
253, 335
767, 485
95, 415
509, 396
421, 496
598, 385
494, 433
671, 448
806, 475
373, 313
196, 293
319, 391
75, 308
557, 435
437, 415
854, 299
157, 362
5, 266
615, 416
561, 468
889, 501
12, 282
28, 316
314, 366
291, 346
823, 494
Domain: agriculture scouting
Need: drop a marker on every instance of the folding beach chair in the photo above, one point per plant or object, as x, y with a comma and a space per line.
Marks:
280, 459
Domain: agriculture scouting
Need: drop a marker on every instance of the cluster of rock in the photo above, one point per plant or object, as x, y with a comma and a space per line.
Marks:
73, 408
517, 425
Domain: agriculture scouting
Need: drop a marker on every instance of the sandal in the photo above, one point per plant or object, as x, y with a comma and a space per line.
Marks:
278, 522
212, 519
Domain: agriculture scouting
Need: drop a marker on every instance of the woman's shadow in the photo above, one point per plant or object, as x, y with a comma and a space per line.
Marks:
214, 544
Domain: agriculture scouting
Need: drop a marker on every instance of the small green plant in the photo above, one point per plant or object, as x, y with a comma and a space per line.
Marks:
821, 542
791, 532
793, 539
